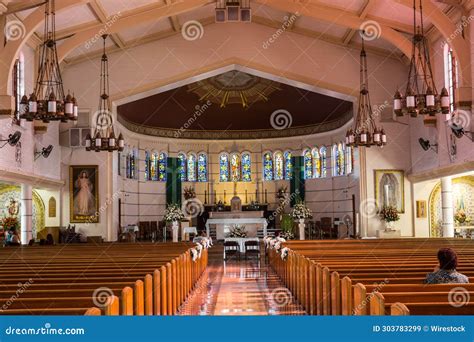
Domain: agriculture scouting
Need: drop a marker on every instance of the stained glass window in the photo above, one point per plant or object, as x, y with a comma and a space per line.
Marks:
182, 167
308, 164
334, 160
279, 166
147, 165
349, 160
202, 167
224, 167
323, 156
340, 159
162, 165
127, 165
235, 167
246, 168
131, 164
267, 166
154, 167
288, 165
316, 163
192, 164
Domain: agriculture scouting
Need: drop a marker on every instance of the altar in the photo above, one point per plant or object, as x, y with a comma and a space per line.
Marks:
225, 220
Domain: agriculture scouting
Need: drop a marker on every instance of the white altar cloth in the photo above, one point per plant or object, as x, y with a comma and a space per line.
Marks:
240, 221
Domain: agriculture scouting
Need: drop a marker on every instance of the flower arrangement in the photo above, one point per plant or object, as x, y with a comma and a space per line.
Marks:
238, 231
189, 193
194, 254
173, 213
300, 211
460, 217
389, 214
10, 222
287, 235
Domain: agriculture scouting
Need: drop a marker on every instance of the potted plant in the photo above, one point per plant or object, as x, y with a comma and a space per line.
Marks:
174, 214
389, 215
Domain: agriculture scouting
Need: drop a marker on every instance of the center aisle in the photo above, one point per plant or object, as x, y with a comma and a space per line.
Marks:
239, 288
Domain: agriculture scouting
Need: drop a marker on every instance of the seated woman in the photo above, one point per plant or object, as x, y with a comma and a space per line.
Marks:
12, 238
446, 272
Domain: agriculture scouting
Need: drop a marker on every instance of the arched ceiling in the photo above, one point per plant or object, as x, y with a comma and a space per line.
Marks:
235, 105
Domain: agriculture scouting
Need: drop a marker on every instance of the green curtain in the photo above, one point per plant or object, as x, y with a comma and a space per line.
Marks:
297, 180
173, 181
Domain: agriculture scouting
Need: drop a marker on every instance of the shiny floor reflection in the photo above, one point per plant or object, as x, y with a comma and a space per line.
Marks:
239, 287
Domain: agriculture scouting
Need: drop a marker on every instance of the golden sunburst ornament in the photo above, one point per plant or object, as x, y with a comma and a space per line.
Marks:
234, 87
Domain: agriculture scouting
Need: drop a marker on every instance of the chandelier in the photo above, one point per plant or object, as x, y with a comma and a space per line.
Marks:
421, 95
47, 102
365, 132
233, 11
104, 136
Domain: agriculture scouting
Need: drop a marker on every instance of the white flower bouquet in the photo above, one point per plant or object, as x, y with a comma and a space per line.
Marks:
238, 231
173, 213
300, 212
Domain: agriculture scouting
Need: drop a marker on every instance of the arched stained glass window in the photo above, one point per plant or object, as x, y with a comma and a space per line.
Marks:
334, 160
340, 159
192, 165
308, 164
279, 166
202, 167
235, 167
147, 165
183, 166
316, 163
224, 167
288, 165
162, 165
246, 167
131, 164
267, 166
349, 160
154, 167
323, 155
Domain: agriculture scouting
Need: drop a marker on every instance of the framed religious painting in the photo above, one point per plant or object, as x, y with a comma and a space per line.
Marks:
421, 210
389, 189
84, 193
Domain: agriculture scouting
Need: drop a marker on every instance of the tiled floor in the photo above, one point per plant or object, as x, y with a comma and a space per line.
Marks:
245, 287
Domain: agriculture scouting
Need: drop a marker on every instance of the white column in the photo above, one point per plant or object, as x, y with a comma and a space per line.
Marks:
447, 206
26, 213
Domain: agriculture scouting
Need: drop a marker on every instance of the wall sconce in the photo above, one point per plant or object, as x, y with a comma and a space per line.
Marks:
45, 152
12, 140
426, 145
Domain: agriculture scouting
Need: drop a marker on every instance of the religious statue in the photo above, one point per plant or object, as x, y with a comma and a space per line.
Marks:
235, 204
13, 207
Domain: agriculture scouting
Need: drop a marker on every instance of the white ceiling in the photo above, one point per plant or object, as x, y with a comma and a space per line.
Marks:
83, 15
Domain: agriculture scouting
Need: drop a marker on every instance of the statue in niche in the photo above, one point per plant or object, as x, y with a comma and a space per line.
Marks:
235, 204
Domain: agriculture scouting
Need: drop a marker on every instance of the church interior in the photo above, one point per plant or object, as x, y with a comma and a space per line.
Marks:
231, 158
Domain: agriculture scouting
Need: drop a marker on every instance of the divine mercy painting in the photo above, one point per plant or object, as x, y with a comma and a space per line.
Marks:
83, 194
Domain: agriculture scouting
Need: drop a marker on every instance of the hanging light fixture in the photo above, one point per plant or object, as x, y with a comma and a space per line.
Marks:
365, 132
421, 95
48, 102
103, 138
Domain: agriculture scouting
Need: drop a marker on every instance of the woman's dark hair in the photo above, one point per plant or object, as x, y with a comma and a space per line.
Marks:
448, 259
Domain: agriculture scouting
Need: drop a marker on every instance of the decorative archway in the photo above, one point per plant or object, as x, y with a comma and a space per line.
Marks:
463, 196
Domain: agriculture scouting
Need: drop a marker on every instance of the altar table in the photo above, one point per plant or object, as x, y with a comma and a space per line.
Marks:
227, 223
